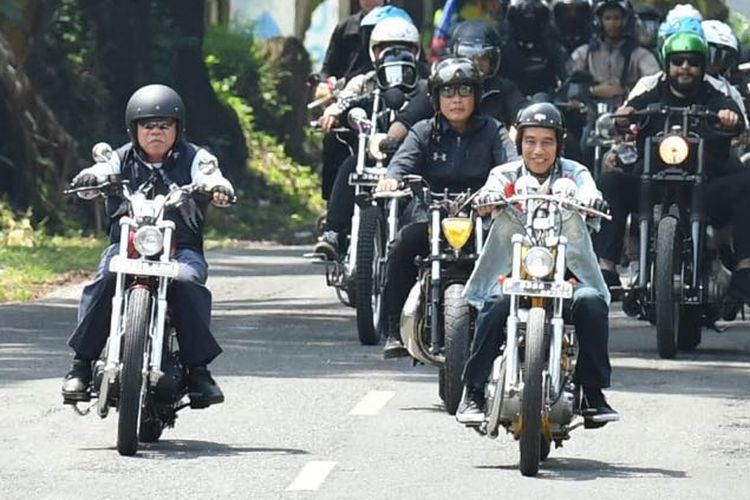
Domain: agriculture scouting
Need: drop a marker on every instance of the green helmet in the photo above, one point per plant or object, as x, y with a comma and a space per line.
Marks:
683, 41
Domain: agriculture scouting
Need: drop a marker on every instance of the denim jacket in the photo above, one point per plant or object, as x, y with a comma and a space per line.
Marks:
497, 255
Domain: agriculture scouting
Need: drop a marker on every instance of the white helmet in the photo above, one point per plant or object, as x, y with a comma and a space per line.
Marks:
395, 31
683, 10
718, 33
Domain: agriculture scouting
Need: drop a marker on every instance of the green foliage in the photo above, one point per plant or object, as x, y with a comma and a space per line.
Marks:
284, 196
9, 9
31, 259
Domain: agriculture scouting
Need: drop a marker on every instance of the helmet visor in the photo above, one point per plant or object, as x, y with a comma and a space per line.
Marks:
486, 58
396, 68
721, 57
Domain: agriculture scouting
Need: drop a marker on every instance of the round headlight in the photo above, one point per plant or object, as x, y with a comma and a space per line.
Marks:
148, 241
673, 150
538, 262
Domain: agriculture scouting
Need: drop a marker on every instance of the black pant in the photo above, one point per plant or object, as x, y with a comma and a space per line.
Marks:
726, 200
587, 311
401, 272
334, 152
341, 201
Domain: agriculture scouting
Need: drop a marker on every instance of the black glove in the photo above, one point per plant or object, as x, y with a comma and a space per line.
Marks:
600, 205
85, 180
389, 146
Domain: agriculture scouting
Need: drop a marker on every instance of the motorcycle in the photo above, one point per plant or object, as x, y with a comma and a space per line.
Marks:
531, 391
437, 324
683, 277
358, 276
141, 373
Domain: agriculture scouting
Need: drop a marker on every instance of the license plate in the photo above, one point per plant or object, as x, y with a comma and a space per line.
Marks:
528, 288
143, 267
365, 179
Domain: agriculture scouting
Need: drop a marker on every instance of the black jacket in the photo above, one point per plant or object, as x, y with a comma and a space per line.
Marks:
188, 218
501, 100
716, 146
534, 66
346, 55
451, 161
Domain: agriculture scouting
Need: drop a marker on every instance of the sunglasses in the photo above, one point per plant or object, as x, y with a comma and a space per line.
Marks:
463, 90
160, 123
692, 60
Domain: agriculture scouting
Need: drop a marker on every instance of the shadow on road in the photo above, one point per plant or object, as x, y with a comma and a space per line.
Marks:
580, 469
187, 449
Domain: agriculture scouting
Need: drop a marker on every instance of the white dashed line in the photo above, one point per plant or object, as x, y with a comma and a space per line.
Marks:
372, 403
311, 476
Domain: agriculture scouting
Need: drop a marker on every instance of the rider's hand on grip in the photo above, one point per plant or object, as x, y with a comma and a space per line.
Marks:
389, 146
484, 203
222, 197
85, 180
387, 184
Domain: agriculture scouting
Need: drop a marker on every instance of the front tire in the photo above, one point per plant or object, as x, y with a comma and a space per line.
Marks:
131, 379
667, 274
531, 403
369, 275
457, 340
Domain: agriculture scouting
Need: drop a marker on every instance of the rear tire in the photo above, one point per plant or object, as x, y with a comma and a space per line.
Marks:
369, 275
667, 266
457, 340
689, 334
531, 404
149, 431
131, 378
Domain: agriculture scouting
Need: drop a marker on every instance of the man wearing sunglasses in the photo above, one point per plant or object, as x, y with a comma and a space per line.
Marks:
157, 153
454, 150
727, 190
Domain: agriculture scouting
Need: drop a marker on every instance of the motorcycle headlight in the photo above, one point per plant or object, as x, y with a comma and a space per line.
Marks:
149, 241
673, 150
457, 231
538, 262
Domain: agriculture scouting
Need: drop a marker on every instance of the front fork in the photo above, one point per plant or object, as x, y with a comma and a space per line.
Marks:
435, 285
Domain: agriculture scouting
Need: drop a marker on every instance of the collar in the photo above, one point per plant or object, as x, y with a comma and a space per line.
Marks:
476, 122
554, 173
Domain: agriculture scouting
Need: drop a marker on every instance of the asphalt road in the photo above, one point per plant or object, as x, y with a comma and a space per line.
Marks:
312, 414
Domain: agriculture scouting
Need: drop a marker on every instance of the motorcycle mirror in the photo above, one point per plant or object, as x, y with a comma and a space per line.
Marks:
605, 125
101, 152
373, 147
394, 98
565, 188
355, 117
527, 184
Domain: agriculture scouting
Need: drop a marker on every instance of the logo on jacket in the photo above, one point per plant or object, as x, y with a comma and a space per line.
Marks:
439, 156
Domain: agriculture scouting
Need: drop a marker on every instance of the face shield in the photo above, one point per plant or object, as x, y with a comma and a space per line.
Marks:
647, 31
721, 57
486, 58
396, 67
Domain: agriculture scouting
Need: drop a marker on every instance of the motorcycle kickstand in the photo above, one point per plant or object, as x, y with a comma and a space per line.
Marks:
80, 412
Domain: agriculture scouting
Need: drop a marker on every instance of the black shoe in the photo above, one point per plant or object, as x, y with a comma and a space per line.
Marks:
611, 278
471, 409
328, 245
77, 382
595, 410
394, 348
739, 286
202, 388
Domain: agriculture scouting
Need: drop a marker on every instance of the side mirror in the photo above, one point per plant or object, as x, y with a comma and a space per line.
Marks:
101, 152
356, 118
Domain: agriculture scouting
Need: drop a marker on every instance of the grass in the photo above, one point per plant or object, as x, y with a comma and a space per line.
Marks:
27, 272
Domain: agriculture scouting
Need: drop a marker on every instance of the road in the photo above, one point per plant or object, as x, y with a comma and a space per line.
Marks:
312, 414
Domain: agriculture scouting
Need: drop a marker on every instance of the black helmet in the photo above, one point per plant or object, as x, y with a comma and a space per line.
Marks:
452, 71
542, 114
154, 101
475, 39
573, 18
525, 15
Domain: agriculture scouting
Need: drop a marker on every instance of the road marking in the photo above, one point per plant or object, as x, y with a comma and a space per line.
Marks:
372, 403
311, 476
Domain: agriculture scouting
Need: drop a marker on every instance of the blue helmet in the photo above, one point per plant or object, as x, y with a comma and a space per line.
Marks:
689, 24
383, 12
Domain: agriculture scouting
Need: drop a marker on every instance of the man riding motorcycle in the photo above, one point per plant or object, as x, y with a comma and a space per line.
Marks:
158, 152
454, 150
539, 141
480, 42
727, 190
394, 48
